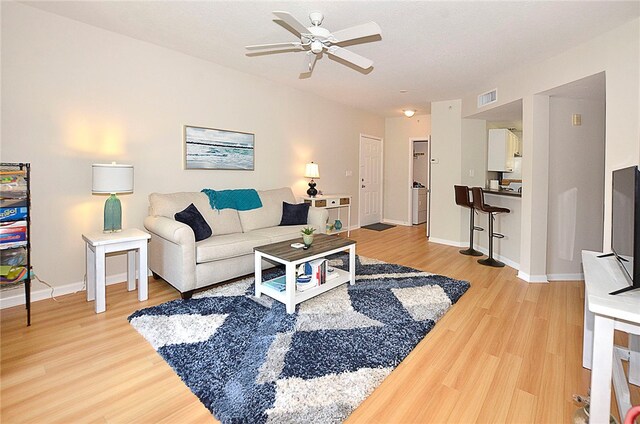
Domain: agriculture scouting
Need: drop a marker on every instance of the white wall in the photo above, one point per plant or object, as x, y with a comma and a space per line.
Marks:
446, 154
576, 189
397, 155
73, 95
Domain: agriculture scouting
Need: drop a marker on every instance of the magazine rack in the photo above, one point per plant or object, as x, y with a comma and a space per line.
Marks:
15, 228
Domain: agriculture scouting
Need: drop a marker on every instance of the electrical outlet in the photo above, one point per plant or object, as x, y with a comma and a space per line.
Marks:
472, 172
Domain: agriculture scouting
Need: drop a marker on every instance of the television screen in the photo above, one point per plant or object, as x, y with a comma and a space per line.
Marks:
625, 241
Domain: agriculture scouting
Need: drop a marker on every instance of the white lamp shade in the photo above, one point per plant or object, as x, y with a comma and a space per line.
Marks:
311, 170
112, 178
409, 112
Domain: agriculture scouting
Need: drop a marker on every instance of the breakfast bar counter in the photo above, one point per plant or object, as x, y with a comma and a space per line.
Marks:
501, 192
507, 249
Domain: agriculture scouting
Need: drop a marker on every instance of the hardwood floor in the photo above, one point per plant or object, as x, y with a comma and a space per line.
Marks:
508, 351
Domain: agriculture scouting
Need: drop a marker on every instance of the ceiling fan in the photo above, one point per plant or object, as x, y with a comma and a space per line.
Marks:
315, 40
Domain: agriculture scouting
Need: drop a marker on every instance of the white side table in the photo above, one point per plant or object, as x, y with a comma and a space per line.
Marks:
99, 244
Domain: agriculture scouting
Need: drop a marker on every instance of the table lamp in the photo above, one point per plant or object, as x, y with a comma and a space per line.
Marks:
311, 171
111, 179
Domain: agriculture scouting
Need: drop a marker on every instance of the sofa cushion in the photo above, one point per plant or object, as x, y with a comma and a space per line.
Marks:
225, 221
228, 246
193, 218
280, 233
294, 214
270, 214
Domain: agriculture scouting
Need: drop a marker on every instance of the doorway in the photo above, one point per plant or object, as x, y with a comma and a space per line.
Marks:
419, 182
370, 192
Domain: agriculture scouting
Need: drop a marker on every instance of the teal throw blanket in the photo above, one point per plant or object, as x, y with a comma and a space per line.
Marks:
242, 199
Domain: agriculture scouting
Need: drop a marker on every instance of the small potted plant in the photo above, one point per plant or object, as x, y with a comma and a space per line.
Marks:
307, 235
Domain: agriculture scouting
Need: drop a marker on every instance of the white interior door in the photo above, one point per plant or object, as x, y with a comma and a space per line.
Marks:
370, 180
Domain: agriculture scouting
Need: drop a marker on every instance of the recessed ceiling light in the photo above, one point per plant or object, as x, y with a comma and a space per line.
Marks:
409, 112
403, 91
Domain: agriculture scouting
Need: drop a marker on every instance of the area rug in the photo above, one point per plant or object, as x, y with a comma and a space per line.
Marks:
248, 361
378, 226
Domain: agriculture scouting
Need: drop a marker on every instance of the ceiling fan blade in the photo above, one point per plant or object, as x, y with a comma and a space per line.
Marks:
309, 62
358, 31
350, 57
292, 22
274, 45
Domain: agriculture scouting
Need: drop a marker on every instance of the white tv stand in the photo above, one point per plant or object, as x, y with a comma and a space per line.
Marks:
604, 313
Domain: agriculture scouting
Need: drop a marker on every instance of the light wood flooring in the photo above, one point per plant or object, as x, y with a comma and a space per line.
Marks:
507, 352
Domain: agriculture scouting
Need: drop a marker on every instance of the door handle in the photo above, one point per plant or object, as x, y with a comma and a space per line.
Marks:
363, 186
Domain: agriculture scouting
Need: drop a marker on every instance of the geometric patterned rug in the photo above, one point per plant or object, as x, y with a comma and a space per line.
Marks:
248, 361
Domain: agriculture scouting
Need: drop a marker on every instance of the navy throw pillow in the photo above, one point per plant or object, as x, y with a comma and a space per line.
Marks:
294, 214
194, 219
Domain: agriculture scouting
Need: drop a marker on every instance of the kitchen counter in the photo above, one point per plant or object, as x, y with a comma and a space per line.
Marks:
511, 193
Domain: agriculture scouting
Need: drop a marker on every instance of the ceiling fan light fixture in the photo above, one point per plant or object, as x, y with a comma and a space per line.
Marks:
316, 46
409, 112
316, 18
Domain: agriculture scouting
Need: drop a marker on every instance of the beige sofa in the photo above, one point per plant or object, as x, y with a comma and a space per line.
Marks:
187, 265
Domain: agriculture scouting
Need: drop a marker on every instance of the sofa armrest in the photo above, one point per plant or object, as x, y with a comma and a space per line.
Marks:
172, 252
170, 229
318, 218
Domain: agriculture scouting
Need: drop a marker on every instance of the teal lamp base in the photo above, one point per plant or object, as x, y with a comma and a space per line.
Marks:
112, 215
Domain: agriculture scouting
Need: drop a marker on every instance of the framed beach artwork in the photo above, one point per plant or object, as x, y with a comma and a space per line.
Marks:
210, 148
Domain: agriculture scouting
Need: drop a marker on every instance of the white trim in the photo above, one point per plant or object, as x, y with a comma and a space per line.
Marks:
447, 242
429, 185
507, 261
565, 277
501, 258
396, 222
39, 291
532, 278
412, 140
410, 182
381, 205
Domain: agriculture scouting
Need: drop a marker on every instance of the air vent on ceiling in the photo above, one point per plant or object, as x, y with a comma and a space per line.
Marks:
488, 97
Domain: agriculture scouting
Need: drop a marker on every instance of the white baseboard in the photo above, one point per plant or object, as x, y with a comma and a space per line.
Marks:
565, 277
446, 242
507, 261
395, 222
39, 291
532, 278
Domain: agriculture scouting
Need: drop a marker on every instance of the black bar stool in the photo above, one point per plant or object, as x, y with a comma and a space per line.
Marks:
478, 203
463, 199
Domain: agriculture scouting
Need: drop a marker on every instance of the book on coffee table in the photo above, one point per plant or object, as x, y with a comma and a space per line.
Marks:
279, 283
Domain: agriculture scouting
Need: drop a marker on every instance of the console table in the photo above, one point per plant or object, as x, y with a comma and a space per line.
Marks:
330, 201
604, 313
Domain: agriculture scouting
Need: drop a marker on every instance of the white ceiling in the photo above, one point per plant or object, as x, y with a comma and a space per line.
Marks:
435, 50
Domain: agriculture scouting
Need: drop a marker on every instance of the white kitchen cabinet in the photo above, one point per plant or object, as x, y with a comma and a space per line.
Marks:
503, 145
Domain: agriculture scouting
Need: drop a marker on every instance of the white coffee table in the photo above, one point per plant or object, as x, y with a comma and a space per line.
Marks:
282, 252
